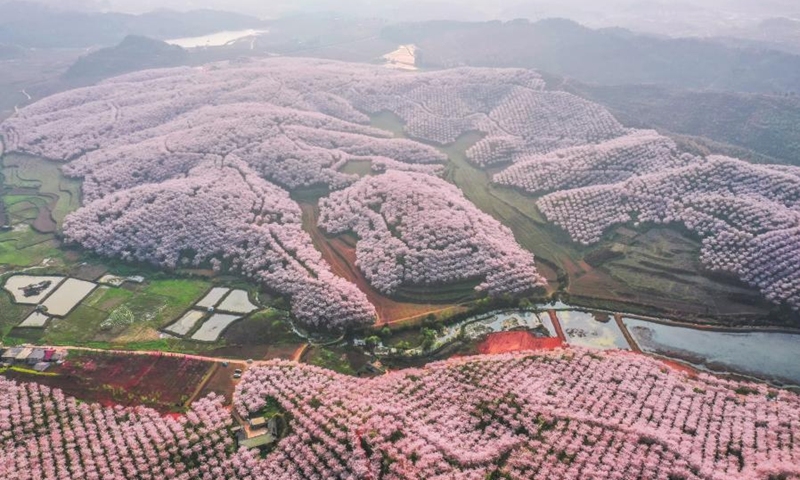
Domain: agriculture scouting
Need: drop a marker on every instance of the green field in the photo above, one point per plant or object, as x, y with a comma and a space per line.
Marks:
45, 177
36, 196
153, 306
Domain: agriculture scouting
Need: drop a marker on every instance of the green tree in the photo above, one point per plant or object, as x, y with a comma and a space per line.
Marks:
428, 338
373, 341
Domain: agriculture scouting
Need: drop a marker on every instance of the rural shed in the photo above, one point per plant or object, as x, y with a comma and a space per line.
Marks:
11, 354
256, 441
36, 356
48, 354
258, 422
58, 355
24, 354
41, 366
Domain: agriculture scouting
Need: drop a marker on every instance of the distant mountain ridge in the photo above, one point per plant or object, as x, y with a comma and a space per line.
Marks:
766, 124
607, 56
37, 26
132, 54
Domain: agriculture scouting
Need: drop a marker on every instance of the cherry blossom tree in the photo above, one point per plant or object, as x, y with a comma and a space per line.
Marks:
415, 229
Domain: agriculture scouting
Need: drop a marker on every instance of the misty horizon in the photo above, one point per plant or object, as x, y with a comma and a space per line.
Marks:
665, 18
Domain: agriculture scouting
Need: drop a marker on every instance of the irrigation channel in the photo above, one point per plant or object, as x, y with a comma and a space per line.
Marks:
763, 354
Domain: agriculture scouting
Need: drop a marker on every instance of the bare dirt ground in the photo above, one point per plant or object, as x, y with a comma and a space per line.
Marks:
516, 341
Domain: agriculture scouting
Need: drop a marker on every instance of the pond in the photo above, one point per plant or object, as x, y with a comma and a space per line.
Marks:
213, 327
30, 289
215, 39
68, 296
771, 356
592, 330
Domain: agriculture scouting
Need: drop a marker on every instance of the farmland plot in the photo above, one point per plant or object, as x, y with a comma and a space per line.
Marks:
186, 323
237, 301
35, 320
68, 296
15, 286
213, 327
213, 297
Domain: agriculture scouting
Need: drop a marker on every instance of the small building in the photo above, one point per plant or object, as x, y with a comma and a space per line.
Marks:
58, 356
36, 356
258, 423
375, 367
261, 434
23, 355
48, 355
135, 279
41, 366
258, 441
10, 355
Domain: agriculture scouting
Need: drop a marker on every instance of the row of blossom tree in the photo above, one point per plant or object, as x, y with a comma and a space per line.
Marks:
45, 435
565, 414
417, 229
169, 159
233, 219
298, 122
748, 216
558, 415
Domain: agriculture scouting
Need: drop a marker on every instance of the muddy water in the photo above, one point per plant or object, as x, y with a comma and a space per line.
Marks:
770, 356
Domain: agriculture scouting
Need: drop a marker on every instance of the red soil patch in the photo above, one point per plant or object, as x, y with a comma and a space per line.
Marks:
504, 342
221, 382
256, 352
298, 354
574, 271
680, 367
585, 266
164, 383
340, 254
550, 274
596, 284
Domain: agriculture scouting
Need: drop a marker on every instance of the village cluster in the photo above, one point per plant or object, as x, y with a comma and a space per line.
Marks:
39, 359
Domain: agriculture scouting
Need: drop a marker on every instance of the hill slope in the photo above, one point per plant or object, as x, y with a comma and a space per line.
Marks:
610, 56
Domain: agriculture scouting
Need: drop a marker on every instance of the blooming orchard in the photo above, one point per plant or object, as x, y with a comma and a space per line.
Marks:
570, 414
639, 152
45, 435
299, 122
566, 414
417, 229
747, 215
227, 216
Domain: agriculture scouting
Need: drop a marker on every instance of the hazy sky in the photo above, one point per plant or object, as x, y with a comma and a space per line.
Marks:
664, 15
